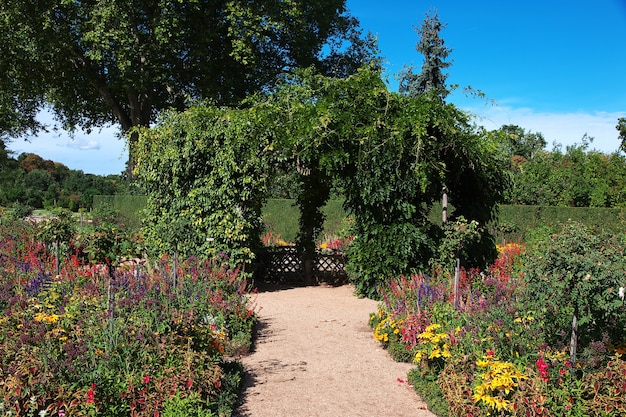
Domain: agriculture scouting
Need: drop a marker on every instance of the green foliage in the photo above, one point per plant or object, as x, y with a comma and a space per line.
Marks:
457, 235
98, 63
429, 391
313, 194
369, 263
130, 207
40, 183
232, 378
577, 177
58, 229
390, 156
520, 143
280, 217
20, 211
204, 171
576, 273
189, 406
526, 219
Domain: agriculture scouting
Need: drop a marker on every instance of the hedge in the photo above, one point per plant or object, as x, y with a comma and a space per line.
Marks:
281, 216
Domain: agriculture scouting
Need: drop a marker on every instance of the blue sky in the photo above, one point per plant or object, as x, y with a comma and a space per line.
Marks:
551, 66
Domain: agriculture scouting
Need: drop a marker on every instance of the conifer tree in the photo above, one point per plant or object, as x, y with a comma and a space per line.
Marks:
431, 46
621, 128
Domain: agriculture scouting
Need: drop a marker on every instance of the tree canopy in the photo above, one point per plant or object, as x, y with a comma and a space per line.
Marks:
578, 177
520, 143
118, 62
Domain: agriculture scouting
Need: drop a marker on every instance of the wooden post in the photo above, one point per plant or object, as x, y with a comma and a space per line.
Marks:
309, 278
573, 342
175, 268
444, 205
56, 260
457, 276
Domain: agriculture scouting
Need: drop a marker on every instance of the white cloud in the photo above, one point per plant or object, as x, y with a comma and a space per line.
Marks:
83, 144
100, 152
560, 128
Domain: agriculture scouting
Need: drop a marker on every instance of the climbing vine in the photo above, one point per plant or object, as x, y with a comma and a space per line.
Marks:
390, 155
204, 170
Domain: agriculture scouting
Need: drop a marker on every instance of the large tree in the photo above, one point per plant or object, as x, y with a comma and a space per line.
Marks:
435, 54
121, 62
521, 143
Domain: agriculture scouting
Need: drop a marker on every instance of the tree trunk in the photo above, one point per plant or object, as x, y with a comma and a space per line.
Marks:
130, 163
444, 205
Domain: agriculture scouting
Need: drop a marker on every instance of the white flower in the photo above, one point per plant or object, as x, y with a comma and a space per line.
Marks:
620, 293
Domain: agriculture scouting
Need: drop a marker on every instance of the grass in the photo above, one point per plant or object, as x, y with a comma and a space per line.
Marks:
281, 216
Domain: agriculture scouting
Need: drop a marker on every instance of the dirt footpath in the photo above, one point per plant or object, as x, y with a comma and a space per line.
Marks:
315, 356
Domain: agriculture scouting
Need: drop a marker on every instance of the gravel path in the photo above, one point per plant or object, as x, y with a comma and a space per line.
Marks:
315, 357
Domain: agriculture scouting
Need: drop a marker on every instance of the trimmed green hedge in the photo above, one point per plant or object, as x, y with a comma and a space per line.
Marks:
129, 206
281, 216
519, 220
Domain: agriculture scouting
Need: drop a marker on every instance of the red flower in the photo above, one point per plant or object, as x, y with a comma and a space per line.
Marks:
490, 353
91, 396
146, 379
542, 367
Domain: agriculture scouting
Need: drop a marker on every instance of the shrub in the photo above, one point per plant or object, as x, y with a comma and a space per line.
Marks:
89, 342
429, 391
499, 353
576, 274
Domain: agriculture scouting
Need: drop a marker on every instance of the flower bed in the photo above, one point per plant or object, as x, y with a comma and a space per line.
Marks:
141, 341
493, 355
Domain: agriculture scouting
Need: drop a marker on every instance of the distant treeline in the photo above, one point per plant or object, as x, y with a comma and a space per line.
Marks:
29, 180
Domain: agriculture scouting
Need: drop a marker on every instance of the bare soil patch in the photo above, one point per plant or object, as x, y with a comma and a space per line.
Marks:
315, 356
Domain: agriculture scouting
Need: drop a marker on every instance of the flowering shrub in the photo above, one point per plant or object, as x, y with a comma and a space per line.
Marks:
87, 342
533, 373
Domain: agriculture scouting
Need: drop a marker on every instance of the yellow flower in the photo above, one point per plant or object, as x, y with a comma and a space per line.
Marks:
47, 318
499, 378
482, 363
436, 353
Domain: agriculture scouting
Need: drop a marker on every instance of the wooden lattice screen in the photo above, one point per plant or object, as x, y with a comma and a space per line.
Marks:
284, 264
